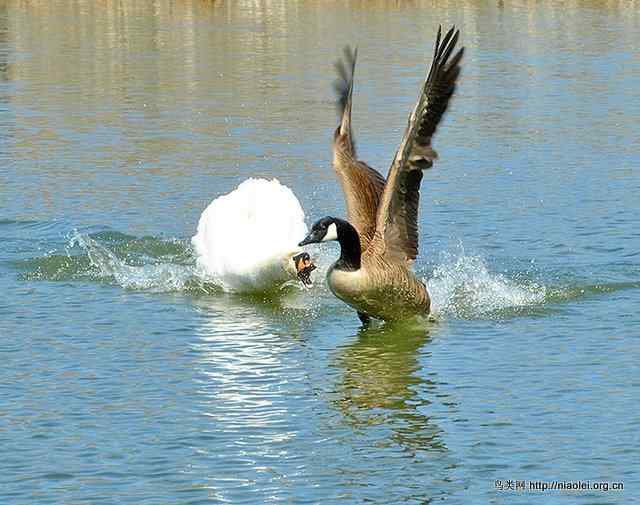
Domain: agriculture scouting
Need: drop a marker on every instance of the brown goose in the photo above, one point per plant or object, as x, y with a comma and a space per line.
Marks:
379, 242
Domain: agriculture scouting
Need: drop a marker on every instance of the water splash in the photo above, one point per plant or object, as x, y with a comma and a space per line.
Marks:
460, 285
148, 263
156, 277
463, 286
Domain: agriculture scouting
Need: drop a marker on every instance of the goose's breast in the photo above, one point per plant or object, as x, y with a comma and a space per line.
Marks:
349, 286
379, 297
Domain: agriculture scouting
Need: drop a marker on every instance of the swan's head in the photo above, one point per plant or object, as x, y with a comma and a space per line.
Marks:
304, 267
323, 230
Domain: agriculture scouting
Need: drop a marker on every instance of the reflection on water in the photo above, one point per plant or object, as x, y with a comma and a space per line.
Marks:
240, 361
261, 390
242, 339
383, 385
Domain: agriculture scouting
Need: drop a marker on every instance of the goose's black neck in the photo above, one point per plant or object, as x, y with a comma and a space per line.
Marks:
350, 251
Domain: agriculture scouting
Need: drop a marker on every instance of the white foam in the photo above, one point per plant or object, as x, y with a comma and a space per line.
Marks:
463, 286
163, 277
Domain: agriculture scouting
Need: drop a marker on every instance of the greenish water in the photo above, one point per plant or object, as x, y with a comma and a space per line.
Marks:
127, 378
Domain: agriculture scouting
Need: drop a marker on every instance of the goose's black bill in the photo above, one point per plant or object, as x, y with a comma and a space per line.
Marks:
314, 237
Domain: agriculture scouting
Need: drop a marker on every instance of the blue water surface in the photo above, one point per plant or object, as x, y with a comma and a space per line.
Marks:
127, 379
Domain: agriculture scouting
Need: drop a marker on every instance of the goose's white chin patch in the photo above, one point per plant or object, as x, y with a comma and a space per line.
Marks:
332, 233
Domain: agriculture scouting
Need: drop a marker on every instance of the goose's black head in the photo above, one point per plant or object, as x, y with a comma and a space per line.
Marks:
323, 230
332, 228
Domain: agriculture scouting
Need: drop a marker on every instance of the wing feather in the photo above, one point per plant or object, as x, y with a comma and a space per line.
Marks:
397, 220
361, 184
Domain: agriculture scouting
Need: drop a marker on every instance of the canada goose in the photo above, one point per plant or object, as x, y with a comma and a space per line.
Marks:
379, 242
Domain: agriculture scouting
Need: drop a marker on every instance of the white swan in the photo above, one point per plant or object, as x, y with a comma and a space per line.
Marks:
247, 239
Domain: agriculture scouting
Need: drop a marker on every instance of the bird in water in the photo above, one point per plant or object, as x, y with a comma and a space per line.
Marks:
246, 239
379, 239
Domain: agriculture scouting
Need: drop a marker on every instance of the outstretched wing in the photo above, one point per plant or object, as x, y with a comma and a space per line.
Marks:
361, 184
397, 220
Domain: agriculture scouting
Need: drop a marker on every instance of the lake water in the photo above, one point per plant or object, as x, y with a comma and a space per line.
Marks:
124, 379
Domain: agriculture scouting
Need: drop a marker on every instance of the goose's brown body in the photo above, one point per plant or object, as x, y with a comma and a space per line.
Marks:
382, 290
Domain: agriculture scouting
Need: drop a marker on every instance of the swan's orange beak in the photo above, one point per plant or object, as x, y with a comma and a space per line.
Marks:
304, 267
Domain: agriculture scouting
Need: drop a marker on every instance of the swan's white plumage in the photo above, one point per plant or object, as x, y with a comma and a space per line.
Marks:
246, 238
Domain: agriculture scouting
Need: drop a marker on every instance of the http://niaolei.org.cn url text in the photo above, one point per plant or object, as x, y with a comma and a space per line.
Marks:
557, 485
